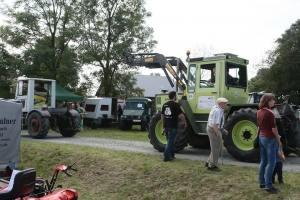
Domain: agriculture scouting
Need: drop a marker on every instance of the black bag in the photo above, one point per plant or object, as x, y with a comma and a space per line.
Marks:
256, 139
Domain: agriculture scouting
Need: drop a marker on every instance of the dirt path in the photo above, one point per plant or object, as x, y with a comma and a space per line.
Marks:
292, 164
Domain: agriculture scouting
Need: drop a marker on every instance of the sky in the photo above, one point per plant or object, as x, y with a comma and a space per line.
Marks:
245, 28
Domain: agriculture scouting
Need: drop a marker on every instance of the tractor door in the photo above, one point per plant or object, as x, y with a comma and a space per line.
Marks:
21, 94
203, 89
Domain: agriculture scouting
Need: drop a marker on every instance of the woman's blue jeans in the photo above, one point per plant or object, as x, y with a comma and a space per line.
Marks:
169, 150
267, 160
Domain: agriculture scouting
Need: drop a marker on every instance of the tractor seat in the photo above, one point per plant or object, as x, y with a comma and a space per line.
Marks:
21, 183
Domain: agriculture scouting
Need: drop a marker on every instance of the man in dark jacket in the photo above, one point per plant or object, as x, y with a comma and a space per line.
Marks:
120, 113
169, 116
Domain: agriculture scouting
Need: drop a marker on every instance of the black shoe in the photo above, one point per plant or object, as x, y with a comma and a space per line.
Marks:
214, 168
206, 164
281, 182
167, 160
272, 190
262, 186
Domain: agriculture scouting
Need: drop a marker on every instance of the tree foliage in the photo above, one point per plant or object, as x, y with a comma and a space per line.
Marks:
46, 32
8, 71
283, 64
56, 38
112, 27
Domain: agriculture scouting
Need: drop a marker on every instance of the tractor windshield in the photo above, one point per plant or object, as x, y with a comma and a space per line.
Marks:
235, 75
192, 78
22, 88
208, 75
134, 106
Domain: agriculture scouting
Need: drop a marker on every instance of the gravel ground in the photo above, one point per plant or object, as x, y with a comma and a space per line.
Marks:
292, 163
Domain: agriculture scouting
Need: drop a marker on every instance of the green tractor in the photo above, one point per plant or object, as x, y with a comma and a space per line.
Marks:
202, 82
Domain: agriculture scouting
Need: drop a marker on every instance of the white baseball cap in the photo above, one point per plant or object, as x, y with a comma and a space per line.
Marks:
221, 100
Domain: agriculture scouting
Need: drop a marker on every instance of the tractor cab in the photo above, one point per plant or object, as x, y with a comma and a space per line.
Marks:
222, 75
34, 92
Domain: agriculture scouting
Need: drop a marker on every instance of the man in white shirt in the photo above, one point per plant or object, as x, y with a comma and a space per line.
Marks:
214, 130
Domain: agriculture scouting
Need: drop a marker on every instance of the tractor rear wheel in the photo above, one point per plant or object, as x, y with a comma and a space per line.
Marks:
242, 130
38, 126
159, 141
181, 140
70, 128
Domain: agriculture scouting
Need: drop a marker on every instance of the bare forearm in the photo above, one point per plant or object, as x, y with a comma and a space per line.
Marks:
281, 156
215, 127
162, 119
275, 131
182, 118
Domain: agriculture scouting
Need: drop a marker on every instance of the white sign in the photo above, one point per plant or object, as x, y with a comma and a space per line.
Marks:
10, 133
140, 105
206, 102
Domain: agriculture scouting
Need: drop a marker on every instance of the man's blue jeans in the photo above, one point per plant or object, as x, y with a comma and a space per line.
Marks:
267, 160
169, 150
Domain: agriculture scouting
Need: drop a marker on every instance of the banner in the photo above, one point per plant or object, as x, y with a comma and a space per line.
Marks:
10, 133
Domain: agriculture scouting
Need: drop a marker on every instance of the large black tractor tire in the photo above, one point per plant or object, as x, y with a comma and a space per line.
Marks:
155, 130
38, 126
242, 130
199, 141
182, 137
159, 141
70, 127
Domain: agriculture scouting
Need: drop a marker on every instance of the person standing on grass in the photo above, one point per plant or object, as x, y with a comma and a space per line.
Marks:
80, 110
268, 138
169, 116
278, 166
214, 130
120, 113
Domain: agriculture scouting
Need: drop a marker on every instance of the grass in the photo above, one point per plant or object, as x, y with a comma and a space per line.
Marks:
108, 174
113, 133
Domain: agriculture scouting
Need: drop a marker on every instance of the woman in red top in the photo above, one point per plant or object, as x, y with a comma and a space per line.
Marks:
267, 142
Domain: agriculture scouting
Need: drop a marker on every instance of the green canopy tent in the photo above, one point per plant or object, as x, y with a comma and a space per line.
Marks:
63, 94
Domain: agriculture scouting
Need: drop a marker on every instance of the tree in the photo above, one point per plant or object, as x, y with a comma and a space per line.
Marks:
8, 72
46, 31
126, 85
284, 63
112, 27
260, 82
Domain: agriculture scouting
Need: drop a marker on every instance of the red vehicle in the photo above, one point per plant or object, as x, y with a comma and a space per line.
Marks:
24, 185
